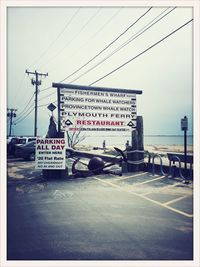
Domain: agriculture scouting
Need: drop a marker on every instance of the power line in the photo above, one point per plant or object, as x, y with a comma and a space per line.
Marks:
102, 49
46, 88
70, 42
124, 44
107, 45
19, 88
58, 36
141, 52
23, 111
25, 116
30, 111
106, 23
22, 116
144, 51
17, 122
46, 96
47, 104
82, 28
93, 36
140, 32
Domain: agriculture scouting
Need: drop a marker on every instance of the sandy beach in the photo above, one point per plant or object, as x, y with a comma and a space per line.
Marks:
157, 149
162, 149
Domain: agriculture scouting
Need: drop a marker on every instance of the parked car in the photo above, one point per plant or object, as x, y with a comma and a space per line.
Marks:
23, 141
11, 142
15, 141
26, 151
9, 138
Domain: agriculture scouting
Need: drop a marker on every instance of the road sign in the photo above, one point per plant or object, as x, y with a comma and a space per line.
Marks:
51, 107
184, 124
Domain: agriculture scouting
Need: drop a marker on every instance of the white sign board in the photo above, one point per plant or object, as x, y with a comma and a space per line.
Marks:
87, 110
50, 153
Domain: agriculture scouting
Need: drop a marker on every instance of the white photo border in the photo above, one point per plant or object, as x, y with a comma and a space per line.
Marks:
4, 4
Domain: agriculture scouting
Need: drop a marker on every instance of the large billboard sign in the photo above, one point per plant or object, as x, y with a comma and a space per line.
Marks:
50, 153
92, 110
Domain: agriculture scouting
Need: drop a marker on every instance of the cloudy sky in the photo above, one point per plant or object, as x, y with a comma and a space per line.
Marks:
59, 40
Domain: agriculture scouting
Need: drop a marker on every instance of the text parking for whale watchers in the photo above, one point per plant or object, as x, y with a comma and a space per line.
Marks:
95, 109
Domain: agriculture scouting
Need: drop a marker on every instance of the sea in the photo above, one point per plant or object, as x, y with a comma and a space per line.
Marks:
113, 140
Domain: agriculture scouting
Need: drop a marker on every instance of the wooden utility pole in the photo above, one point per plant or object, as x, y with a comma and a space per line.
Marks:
36, 82
137, 144
11, 114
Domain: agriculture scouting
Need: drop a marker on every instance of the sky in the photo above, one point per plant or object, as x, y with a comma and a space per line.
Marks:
59, 40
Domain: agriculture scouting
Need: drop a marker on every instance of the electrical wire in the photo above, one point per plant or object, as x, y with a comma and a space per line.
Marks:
92, 37
124, 64
19, 88
82, 28
23, 111
58, 36
144, 51
136, 35
21, 118
18, 119
141, 31
46, 88
46, 96
17, 122
47, 104
119, 36
102, 49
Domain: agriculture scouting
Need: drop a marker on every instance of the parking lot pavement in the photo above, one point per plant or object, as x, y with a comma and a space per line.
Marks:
133, 217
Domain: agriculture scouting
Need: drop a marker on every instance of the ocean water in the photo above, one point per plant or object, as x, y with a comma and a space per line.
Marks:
167, 140
148, 140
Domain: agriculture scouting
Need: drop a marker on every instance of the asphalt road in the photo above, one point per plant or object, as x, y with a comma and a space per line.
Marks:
134, 217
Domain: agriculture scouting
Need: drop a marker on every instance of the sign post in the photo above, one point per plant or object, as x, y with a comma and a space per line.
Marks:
184, 127
50, 152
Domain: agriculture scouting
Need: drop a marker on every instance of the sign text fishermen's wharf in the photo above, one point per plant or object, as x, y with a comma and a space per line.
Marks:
86, 108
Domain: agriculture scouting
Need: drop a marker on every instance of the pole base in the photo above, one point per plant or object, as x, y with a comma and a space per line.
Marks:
55, 174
